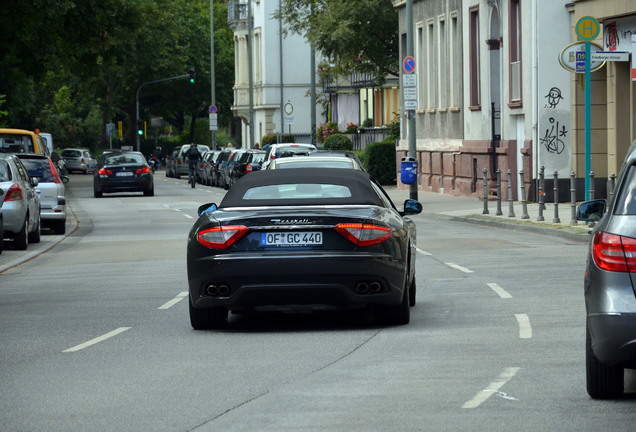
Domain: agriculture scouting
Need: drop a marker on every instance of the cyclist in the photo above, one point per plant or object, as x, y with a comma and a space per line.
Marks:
193, 155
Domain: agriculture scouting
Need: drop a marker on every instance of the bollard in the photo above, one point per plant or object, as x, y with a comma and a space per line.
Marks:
499, 212
541, 188
556, 198
611, 186
511, 209
485, 211
591, 185
524, 205
573, 220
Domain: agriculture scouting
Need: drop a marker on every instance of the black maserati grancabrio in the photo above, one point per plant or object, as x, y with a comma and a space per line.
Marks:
301, 240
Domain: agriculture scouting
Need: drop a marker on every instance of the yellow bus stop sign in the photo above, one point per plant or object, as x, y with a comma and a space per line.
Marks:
587, 28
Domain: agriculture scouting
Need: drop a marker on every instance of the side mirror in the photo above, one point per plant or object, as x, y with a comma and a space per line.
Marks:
35, 181
591, 211
412, 207
65, 179
205, 208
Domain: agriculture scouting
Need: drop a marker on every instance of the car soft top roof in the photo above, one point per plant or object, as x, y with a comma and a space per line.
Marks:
358, 182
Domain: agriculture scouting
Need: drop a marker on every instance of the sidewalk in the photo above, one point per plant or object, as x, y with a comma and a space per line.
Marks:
471, 210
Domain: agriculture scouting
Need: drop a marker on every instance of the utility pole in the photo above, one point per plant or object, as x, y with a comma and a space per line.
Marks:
212, 77
250, 37
410, 113
312, 68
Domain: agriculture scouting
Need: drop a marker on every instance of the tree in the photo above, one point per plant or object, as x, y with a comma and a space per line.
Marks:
356, 35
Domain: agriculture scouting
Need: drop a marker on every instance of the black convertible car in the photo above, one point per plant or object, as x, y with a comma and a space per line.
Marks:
302, 240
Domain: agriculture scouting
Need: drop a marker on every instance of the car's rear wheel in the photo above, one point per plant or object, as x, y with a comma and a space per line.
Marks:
34, 237
150, 191
603, 382
59, 226
21, 238
1, 235
207, 319
395, 314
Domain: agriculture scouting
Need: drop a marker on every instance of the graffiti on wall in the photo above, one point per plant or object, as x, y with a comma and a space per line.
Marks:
554, 131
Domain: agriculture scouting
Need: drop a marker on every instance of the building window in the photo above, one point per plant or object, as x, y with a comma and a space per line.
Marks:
514, 52
474, 59
432, 70
421, 67
454, 50
442, 64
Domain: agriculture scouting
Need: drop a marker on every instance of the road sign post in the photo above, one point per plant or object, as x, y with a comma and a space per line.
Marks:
588, 28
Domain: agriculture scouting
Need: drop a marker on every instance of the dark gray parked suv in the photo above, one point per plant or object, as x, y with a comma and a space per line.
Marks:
610, 285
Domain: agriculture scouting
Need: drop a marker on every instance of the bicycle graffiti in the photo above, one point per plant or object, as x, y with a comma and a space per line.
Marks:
552, 139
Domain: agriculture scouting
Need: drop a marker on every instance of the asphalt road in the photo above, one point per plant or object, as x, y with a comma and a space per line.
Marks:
95, 336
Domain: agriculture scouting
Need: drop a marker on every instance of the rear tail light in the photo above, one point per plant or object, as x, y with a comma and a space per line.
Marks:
221, 237
83, 160
14, 193
614, 253
248, 168
363, 234
56, 176
104, 171
143, 170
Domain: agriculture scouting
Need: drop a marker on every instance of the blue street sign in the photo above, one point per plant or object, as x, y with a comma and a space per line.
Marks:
409, 64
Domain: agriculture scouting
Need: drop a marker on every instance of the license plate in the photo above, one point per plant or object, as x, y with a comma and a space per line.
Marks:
124, 174
291, 239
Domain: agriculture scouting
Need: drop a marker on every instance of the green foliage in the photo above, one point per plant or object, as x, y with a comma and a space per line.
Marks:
380, 161
269, 139
394, 128
326, 129
337, 141
360, 35
94, 54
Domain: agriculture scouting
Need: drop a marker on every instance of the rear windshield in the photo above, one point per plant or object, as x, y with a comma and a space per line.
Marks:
5, 172
626, 200
129, 158
13, 143
297, 191
286, 151
39, 168
71, 153
344, 163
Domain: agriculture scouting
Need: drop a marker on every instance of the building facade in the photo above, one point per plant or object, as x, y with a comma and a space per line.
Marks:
280, 72
493, 95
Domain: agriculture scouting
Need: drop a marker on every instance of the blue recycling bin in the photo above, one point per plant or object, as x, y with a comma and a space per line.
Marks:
409, 171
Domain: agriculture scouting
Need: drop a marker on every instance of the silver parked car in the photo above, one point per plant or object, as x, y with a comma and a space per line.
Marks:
76, 159
610, 285
21, 204
50, 189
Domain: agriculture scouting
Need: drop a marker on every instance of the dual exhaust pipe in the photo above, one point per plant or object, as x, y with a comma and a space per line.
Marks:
369, 287
217, 291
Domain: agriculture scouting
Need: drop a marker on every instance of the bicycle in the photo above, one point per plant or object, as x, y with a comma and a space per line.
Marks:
191, 177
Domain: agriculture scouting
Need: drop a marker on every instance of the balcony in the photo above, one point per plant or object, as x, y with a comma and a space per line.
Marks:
363, 80
236, 11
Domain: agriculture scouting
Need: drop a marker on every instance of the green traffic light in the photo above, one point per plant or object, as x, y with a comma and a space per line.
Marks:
192, 80
140, 132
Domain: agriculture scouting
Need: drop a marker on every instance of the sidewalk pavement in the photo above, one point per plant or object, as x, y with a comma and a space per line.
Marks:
471, 210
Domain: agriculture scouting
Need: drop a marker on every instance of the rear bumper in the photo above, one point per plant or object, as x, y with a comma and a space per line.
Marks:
614, 338
125, 185
287, 283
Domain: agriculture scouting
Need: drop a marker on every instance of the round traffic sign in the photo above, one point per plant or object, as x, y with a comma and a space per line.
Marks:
587, 28
212, 109
409, 64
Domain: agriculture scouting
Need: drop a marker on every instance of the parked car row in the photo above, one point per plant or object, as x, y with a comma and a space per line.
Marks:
33, 197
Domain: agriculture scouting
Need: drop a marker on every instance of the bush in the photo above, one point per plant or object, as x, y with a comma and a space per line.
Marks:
326, 129
380, 161
272, 138
337, 142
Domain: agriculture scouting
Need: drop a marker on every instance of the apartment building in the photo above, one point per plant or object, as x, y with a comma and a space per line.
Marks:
496, 92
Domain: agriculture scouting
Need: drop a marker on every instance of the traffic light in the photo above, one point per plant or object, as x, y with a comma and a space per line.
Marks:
140, 127
192, 74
